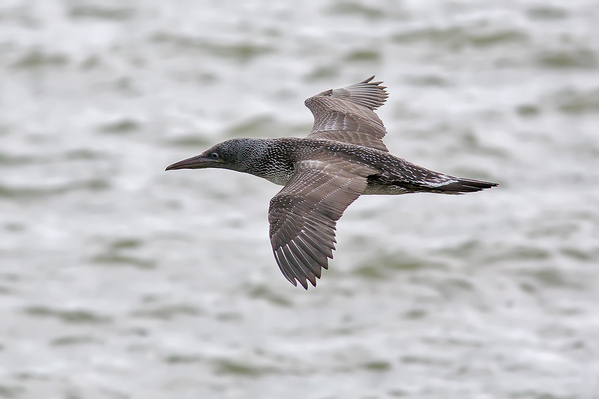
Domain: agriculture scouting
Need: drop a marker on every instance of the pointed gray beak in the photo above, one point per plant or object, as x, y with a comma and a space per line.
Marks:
197, 162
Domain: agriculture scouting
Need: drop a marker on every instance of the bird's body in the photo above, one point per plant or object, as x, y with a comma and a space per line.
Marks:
342, 158
275, 160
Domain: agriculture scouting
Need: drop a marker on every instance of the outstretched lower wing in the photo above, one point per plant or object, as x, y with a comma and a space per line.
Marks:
347, 114
304, 213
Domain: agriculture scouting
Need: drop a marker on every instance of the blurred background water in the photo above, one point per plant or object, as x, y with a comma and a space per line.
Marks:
118, 280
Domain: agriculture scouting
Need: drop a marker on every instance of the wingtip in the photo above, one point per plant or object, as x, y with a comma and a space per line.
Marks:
377, 83
370, 82
305, 284
369, 79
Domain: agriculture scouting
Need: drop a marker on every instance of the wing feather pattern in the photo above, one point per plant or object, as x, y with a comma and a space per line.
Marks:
304, 213
347, 114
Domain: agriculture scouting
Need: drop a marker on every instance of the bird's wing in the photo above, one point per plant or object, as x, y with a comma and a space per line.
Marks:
303, 215
347, 114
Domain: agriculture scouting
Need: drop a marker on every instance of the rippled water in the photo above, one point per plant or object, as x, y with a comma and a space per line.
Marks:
118, 280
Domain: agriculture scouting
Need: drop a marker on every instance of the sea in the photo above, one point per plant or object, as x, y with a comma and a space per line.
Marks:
119, 280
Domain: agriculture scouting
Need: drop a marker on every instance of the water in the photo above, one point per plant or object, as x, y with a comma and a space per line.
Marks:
118, 280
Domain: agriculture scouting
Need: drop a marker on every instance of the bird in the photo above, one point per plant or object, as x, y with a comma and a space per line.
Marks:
342, 158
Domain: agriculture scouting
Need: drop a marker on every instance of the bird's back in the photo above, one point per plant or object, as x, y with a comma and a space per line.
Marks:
390, 175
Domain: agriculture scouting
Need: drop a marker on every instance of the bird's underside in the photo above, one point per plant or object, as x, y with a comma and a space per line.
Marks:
342, 158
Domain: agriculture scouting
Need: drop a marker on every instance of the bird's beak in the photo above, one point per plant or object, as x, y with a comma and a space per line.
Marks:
197, 162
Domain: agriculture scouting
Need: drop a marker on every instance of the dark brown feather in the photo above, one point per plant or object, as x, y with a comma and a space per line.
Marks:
347, 114
304, 213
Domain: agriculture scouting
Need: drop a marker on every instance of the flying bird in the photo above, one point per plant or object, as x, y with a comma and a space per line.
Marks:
342, 158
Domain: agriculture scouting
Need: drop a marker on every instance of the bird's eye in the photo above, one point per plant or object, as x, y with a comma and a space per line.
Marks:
214, 155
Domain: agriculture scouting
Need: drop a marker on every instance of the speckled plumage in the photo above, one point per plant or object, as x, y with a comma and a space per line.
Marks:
342, 158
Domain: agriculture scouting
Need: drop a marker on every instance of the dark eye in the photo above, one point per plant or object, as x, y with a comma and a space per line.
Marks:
214, 155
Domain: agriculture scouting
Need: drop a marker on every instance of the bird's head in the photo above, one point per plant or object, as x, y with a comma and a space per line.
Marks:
233, 154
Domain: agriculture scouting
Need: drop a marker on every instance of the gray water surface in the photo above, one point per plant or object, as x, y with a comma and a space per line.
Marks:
119, 280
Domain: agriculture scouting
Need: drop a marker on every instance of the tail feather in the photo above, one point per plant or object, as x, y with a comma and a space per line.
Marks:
464, 186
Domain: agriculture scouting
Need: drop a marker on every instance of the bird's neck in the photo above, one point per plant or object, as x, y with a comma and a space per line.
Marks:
271, 159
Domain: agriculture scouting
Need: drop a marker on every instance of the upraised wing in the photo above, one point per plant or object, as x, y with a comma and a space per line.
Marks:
304, 213
347, 114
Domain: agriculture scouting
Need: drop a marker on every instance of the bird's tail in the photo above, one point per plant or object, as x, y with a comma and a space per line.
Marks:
416, 179
462, 186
